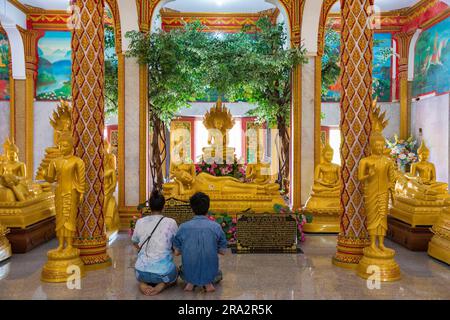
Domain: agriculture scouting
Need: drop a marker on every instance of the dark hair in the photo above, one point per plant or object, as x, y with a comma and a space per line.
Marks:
199, 203
156, 201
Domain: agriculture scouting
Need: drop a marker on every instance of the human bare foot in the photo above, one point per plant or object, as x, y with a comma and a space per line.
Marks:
146, 289
189, 287
209, 288
158, 288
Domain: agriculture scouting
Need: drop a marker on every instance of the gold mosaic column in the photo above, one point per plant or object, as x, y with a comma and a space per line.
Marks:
88, 120
24, 125
356, 100
403, 41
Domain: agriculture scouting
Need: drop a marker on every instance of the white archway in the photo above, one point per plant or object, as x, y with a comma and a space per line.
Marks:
10, 17
310, 25
411, 53
129, 19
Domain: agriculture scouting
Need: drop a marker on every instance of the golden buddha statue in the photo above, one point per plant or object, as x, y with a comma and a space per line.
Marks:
61, 122
69, 173
11, 164
5, 246
377, 173
259, 173
426, 171
182, 171
112, 219
324, 201
419, 198
439, 246
218, 121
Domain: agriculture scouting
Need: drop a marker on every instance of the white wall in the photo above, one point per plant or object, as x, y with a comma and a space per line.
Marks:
4, 123
332, 116
43, 131
432, 115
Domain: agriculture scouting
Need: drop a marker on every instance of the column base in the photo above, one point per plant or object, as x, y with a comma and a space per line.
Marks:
93, 253
349, 252
57, 267
388, 268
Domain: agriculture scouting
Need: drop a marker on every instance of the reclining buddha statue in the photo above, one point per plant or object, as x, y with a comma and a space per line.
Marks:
324, 201
419, 198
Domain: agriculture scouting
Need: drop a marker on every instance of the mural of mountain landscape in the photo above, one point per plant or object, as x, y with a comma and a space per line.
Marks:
382, 68
4, 69
432, 60
55, 66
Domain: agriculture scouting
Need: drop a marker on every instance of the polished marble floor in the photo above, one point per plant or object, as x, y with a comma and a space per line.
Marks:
251, 276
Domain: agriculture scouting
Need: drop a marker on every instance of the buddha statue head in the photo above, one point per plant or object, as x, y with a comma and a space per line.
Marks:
65, 144
379, 122
327, 153
61, 120
423, 152
11, 150
218, 117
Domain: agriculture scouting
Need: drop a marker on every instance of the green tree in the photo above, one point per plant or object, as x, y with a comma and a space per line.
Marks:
111, 73
176, 63
269, 63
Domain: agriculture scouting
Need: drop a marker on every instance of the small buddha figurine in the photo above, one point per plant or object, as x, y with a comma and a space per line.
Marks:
425, 171
259, 173
12, 165
324, 202
69, 174
110, 181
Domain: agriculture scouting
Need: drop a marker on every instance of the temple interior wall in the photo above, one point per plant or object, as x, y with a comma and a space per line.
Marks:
4, 122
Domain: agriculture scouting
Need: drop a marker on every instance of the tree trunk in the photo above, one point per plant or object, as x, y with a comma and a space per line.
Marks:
284, 152
158, 150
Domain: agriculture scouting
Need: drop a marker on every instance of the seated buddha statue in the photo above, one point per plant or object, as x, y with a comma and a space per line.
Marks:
182, 172
324, 201
418, 197
12, 165
259, 173
425, 171
110, 181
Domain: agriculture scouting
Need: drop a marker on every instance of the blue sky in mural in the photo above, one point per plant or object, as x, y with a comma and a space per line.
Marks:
54, 69
382, 70
432, 60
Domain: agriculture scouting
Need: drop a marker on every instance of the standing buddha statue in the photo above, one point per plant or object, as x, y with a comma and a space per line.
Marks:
439, 246
377, 173
68, 172
324, 201
110, 181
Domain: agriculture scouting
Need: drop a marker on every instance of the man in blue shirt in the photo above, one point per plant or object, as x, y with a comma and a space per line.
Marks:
199, 241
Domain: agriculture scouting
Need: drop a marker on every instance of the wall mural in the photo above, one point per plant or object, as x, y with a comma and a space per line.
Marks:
432, 60
4, 67
55, 66
382, 66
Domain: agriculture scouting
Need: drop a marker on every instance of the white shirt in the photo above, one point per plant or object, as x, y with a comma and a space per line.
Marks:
156, 254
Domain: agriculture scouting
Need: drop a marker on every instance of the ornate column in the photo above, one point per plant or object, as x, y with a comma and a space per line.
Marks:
24, 115
403, 41
88, 119
356, 99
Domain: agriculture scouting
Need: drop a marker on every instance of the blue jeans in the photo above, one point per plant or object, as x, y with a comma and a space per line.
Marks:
216, 280
154, 278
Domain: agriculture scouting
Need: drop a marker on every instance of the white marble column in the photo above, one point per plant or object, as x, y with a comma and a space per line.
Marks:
131, 132
308, 93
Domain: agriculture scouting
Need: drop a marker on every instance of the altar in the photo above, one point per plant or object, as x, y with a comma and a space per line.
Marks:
230, 191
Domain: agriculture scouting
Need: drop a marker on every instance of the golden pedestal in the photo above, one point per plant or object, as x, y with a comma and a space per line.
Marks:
416, 212
61, 266
439, 246
325, 219
22, 214
384, 263
234, 203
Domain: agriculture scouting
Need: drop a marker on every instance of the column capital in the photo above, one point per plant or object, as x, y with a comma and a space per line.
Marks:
403, 43
30, 39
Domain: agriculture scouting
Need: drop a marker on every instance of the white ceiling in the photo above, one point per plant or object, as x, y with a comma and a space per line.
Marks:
48, 4
384, 5
241, 6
